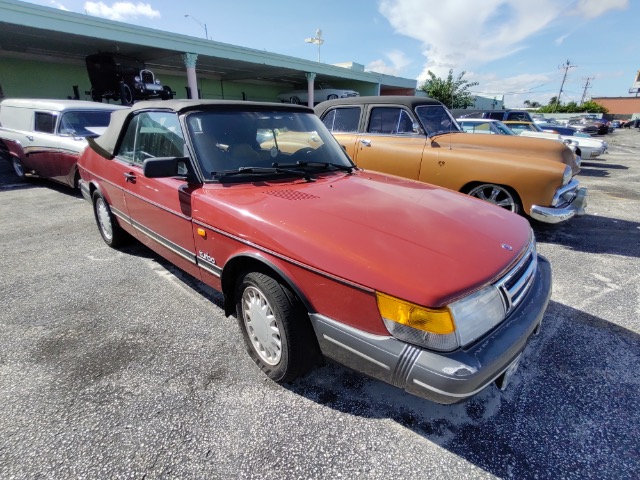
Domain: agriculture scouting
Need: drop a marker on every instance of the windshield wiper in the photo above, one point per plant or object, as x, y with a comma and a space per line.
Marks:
344, 168
262, 170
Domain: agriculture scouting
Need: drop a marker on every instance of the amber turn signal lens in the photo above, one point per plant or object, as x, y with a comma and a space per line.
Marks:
430, 320
202, 232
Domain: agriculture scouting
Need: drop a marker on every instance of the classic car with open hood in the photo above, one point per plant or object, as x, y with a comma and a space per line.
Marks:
429, 290
417, 138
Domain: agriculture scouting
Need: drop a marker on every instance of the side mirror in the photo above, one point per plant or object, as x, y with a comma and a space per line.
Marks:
165, 167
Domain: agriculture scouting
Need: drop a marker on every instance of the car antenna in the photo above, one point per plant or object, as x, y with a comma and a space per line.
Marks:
451, 120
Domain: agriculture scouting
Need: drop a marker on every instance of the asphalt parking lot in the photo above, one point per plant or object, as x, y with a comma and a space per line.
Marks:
113, 364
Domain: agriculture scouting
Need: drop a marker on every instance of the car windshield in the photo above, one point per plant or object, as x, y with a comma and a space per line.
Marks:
518, 128
236, 144
436, 120
84, 123
504, 130
492, 127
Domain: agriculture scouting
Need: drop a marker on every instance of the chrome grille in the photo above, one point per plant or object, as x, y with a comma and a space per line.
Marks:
516, 283
147, 76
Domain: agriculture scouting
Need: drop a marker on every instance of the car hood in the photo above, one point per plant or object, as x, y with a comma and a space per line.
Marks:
585, 141
422, 243
516, 145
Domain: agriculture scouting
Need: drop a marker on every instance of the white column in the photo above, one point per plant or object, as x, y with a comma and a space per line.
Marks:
189, 60
310, 88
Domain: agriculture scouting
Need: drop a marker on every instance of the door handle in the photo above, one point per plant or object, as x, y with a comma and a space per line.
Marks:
366, 142
29, 137
130, 177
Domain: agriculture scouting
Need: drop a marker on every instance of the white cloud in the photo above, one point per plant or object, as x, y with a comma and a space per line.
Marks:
560, 40
538, 87
457, 32
398, 62
121, 10
460, 34
595, 8
58, 5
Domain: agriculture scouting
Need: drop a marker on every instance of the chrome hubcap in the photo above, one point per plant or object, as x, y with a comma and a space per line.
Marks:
495, 194
261, 325
104, 219
17, 166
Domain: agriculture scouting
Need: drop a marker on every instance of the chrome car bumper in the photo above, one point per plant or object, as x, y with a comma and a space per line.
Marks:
84, 189
568, 202
441, 377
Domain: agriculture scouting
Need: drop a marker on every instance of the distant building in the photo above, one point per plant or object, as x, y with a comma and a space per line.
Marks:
479, 102
488, 103
43, 53
619, 106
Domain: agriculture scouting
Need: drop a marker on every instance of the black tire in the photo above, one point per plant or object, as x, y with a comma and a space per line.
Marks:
18, 167
128, 96
294, 100
166, 94
332, 97
111, 232
499, 195
96, 96
275, 326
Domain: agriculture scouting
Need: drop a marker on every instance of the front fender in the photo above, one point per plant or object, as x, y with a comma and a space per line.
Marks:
256, 261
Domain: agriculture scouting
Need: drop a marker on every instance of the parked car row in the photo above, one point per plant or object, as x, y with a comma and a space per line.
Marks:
586, 147
291, 213
417, 138
325, 92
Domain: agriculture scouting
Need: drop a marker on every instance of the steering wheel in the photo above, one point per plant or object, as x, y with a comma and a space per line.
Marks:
304, 154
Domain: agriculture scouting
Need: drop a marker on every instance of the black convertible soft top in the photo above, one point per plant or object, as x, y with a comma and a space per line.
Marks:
106, 144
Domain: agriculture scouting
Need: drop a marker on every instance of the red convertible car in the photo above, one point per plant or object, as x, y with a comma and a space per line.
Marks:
427, 289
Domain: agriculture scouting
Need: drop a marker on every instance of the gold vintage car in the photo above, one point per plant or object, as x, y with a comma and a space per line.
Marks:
416, 137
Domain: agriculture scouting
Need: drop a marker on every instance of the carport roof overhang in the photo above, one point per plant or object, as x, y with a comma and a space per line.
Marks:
43, 31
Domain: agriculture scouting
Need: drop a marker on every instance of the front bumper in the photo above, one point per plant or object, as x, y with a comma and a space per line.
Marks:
441, 377
569, 201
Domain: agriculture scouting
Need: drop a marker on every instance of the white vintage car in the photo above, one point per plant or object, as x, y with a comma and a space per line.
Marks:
320, 95
45, 137
586, 147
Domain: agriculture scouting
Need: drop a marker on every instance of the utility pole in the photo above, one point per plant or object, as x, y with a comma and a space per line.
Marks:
318, 40
586, 86
566, 67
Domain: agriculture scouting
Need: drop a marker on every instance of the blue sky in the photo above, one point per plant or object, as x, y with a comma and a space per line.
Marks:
513, 48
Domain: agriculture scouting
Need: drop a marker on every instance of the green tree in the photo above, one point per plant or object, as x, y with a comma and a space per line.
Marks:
593, 107
453, 93
570, 107
573, 107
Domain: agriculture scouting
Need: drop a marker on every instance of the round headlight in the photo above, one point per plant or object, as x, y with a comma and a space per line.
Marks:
136, 78
157, 81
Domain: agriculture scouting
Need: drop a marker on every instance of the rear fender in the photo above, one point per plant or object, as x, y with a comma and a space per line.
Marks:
15, 148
